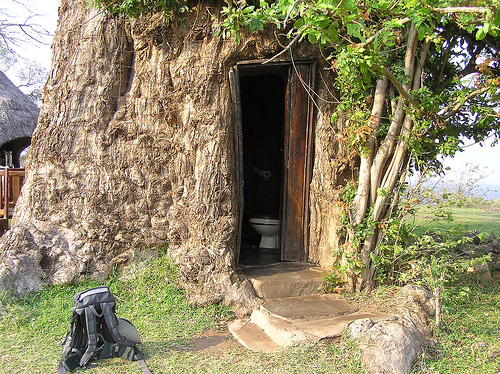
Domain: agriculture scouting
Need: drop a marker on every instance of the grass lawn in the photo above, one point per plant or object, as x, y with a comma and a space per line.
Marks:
33, 328
464, 219
469, 338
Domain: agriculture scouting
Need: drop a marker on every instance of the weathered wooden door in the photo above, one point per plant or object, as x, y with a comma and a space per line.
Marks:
234, 81
298, 154
298, 163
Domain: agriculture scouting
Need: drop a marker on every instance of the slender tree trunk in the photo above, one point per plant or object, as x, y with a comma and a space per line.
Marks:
389, 142
362, 198
385, 165
437, 297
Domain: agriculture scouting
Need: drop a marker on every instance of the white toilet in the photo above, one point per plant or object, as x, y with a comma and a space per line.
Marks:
269, 229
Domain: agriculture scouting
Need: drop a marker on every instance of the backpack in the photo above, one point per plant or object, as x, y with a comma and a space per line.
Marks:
96, 333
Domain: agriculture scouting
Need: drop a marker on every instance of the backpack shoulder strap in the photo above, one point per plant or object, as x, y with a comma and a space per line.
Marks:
90, 320
124, 348
143, 366
70, 357
111, 321
110, 350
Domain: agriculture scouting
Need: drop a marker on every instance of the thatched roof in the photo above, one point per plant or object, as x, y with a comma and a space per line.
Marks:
18, 114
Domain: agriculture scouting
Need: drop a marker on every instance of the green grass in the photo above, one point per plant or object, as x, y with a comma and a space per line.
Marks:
147, 293
465, 219
469, 339
32, 329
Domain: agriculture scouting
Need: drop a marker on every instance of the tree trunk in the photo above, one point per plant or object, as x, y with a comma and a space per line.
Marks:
362, 199
381, 170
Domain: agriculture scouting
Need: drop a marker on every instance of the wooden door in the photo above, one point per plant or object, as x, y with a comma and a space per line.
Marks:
298, 163
234, 82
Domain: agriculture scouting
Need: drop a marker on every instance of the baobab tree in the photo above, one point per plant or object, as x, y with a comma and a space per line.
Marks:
414, 80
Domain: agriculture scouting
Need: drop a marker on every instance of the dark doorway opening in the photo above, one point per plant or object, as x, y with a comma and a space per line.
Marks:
273, 126
263, 98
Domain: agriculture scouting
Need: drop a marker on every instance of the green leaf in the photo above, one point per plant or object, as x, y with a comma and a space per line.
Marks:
299, 23
256, 24
423, 31
398, 249
353, 29
396, 23
496, 21
382, 192
483, 31
332, 32
248, 9
313, 39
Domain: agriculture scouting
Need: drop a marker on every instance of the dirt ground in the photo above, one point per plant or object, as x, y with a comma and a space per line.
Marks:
211, 342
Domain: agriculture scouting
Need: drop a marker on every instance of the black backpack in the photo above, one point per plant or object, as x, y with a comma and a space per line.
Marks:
96, 333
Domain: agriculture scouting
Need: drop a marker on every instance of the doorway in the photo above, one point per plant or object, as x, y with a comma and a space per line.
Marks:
273, 112
263, 120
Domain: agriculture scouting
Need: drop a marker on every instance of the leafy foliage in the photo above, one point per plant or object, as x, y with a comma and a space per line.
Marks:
460, 97
136, 8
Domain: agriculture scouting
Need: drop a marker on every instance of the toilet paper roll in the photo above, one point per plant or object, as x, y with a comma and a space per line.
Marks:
266, 175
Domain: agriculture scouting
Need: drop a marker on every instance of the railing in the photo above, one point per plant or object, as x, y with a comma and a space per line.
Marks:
11, 183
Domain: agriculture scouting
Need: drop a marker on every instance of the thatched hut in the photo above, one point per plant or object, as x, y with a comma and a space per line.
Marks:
158, 132
18, 119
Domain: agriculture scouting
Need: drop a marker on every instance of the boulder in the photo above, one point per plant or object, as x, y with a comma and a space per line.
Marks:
483, 272
389, 346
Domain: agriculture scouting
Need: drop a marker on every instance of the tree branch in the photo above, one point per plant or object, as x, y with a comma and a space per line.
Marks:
404, 21
463, 9
417, 79
409, 71
290, 12
457, 106
402, 91
362, 198
287, 48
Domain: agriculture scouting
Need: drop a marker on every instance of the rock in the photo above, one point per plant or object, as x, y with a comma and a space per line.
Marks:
436, 237
474, 237
390, 346
484, 249
495, 245
422, 296
483, 272
496, 264
360, 327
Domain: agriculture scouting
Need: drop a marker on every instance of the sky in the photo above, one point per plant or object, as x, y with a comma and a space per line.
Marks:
487, 158
43, 13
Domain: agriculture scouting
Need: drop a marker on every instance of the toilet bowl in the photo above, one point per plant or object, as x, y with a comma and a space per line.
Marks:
269, 229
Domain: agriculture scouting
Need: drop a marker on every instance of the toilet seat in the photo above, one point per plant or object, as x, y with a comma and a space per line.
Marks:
264, 221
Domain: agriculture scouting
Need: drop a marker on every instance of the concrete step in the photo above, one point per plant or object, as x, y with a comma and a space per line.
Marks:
285, 279
251, 336
309, 307
298, 319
